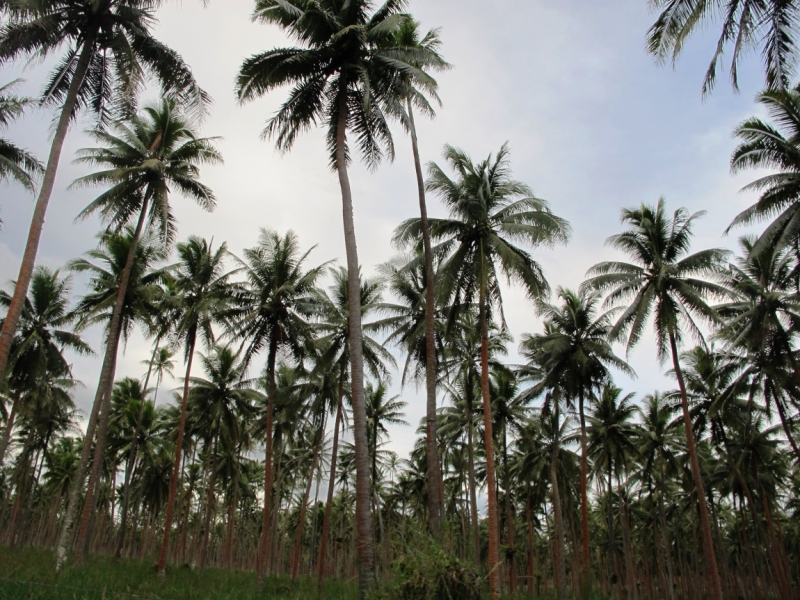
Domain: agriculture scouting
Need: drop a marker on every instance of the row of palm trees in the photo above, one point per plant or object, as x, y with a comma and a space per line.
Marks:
357, 68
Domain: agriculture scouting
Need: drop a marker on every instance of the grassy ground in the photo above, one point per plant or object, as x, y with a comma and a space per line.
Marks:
28, 574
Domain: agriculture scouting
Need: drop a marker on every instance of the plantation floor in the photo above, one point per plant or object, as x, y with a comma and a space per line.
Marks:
28, 574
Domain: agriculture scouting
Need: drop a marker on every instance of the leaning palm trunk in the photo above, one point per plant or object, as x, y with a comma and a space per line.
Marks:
212, 482
126, 496
100, 412
326, 521
705, 526
584, 502
105, 386
365, 539
432, 449
473, 496
176, 468
494, 550
37, 222
559, 566
298, 540
261, 559
12, 416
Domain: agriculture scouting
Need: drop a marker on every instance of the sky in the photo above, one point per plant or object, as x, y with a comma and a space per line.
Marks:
593, 122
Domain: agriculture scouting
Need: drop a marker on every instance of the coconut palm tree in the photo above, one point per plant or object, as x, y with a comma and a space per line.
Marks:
334, 353
770, 26
611, 444
110, 52
664, 281
489, 213
43, 336
426, 58
16, 163
344, 74
150, 153
579, 355
115, 275
225, 402
272, 312
206, 294
772, 145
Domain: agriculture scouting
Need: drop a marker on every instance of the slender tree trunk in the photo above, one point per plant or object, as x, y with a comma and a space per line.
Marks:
100, 402
585, 566
473, 496
494, 554
126, 496
512, 570
298, 540
232, 519
559, 566
783, 582
176, 468
105, 385
9, 427
212, 481
326, 520
37, 222
434, 475
633, 591
264, 540
366, 542
708, 545
667, 549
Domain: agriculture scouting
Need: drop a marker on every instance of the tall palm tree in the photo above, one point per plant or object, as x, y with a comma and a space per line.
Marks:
665, 281
612, 445
489, 212
150, 153
272, 311
344, 74
773, 146
579, 355
426, 58
334, 315
112, 270
225, 403
206, 294
44, 334
16, 163
768, 25
110, 51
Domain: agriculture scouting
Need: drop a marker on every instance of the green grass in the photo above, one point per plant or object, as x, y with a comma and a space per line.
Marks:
28, 574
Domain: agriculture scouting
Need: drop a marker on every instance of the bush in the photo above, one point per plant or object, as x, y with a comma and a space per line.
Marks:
430, 574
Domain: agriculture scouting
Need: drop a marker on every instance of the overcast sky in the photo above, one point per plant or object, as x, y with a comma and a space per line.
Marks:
593, 123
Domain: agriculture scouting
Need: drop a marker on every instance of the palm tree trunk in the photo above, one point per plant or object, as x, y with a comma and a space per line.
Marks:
264, 540
37, 222
326, 520
232, 516
473, 496
633, 591
100, 412
559, 566
366, 543
584, 501
105, 386
434, 474
708, 545
126, 496
494, 554
9, 427
173, 482
298, 540
512, 569
212, 481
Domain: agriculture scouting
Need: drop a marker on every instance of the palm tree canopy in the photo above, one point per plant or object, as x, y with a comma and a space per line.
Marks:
774, 146
142, 160
123, 52
489, 213
769, 25
664, 280
348, 59
16, 163
105, 265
